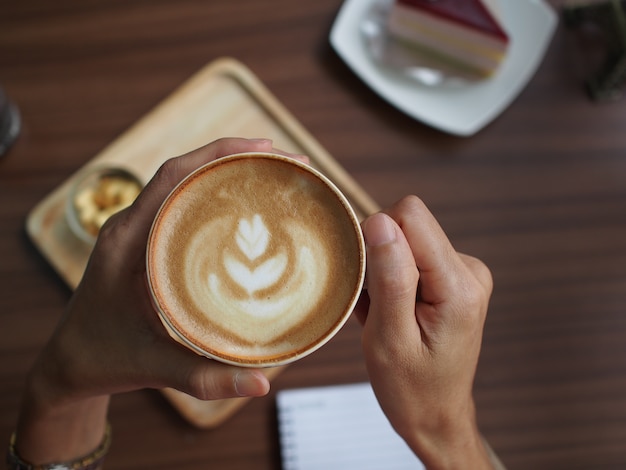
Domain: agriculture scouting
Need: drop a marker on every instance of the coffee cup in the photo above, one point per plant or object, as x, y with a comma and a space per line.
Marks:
255, 260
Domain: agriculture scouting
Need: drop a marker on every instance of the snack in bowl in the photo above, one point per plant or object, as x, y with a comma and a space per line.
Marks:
98, 195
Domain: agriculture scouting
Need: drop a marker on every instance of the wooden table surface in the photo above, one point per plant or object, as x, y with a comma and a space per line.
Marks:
539, 195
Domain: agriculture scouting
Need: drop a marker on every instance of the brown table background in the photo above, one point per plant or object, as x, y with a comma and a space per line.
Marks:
539, 194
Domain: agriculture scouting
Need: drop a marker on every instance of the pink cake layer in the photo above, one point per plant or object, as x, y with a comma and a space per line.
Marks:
475, 14
456, 42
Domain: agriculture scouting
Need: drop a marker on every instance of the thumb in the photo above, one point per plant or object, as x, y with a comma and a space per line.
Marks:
392, 278
205, 378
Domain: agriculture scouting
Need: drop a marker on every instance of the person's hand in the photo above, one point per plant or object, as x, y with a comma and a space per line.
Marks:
423, 318
110, 338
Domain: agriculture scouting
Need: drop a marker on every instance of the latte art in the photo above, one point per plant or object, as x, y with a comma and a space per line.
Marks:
255, 260
248, 279
252, 239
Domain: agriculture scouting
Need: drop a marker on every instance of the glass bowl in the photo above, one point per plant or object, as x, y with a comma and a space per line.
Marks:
96, 195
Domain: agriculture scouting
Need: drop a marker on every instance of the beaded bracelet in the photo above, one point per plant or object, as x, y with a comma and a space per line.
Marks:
93, 461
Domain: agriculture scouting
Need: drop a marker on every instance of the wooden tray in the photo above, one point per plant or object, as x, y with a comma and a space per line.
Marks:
223, 99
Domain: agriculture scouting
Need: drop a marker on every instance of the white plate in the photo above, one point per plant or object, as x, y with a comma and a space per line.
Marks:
459, 109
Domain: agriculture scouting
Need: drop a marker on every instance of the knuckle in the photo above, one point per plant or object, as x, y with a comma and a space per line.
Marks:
473, 300
111, 231
411, 206
197, 385
481, 273
209, 386
167, 173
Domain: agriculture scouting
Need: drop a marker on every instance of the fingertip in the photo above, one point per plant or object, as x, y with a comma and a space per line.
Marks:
301, 158
295, 156
379, 229
251, 383
262, 142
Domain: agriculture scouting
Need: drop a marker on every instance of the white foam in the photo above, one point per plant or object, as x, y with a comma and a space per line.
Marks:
297, 295
282, 287
252, 237
255, 279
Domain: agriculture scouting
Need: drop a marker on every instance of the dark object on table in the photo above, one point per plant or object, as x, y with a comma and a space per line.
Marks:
610, 18
9, 123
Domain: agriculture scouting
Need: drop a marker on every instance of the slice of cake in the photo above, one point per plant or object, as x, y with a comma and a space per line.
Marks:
464, 33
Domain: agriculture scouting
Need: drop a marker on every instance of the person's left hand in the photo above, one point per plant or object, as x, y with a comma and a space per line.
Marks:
110, 338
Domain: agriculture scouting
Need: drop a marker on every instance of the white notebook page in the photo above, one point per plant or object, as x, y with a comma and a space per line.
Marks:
339, 428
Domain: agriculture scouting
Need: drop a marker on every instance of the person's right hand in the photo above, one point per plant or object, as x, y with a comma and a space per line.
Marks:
423, 317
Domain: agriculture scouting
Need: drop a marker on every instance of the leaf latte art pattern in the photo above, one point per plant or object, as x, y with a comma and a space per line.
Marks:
255, 260
256, 271
252, 239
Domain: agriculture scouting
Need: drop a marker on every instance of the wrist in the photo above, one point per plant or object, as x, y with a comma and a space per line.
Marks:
63, 433
92, 461
57, 424
452, 442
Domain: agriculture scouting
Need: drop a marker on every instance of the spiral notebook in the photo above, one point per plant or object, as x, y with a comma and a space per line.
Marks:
338, 428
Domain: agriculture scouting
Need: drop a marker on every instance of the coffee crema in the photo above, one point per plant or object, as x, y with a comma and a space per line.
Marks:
255, 259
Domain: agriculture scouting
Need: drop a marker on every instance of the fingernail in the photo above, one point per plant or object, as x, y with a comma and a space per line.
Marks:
379, 230
260, 141
297, 156
247, 384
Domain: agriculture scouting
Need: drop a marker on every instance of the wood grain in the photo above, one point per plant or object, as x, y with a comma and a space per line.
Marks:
539, 194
